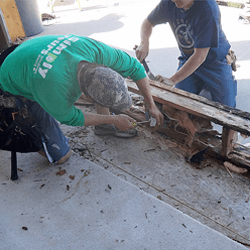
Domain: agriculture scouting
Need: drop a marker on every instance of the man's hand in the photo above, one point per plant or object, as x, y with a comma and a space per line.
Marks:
144, 88
141, 51
165, 80
123, 122
155, 112
193, 63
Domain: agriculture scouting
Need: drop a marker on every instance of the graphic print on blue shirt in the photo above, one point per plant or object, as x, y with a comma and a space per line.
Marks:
184, 36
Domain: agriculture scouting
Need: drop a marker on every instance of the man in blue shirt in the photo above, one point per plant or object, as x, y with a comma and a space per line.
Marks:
203, 46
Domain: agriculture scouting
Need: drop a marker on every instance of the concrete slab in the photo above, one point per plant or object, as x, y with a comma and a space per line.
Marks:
129, 177
90, 208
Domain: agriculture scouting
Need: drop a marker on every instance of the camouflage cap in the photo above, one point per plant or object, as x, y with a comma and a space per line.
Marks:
105, 86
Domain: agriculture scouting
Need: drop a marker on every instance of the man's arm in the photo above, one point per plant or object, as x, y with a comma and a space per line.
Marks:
143, 84
192, 64
144, 88
122, 122
143, 49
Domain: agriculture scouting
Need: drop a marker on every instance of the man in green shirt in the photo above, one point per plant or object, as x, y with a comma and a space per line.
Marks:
53, 71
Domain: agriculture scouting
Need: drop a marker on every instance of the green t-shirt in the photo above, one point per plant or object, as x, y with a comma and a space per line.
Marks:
44, 69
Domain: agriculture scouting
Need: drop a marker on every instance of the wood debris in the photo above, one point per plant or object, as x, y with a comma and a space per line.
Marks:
234, 168
72, 177
188, 121
61, 172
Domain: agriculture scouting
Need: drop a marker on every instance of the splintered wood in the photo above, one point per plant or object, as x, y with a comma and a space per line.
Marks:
188, 118
184, 101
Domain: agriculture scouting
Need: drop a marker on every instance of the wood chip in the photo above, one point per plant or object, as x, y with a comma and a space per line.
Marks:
72, 177
234, 168
159, 197
228, 170
87, 172
61, 172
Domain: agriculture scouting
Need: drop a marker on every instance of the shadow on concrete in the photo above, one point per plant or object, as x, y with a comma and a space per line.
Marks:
96, 7
85, 28
240, 49
65, 3
162, 61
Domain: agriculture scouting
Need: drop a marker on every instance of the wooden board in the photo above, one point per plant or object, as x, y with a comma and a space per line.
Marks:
223, 115
190, 104
12, 19
201, 99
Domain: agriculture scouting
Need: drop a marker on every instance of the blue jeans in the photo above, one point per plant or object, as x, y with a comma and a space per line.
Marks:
56, 142
217, 78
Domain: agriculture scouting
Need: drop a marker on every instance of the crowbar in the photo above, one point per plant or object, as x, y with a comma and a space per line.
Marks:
145, 65
149, 73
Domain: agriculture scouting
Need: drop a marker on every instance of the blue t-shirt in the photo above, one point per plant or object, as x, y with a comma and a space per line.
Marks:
197, 27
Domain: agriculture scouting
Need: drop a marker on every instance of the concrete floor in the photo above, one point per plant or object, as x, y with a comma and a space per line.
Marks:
91, 208
125, 194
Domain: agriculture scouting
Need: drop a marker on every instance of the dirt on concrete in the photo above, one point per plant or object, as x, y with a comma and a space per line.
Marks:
155, 164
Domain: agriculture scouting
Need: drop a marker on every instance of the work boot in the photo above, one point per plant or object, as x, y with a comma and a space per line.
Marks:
107, 129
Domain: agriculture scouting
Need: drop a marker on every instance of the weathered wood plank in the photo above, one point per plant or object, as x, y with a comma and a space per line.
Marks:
178, 136
201, 99
227, 137
12, 19
185, 103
